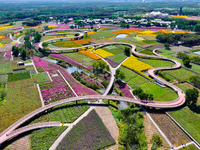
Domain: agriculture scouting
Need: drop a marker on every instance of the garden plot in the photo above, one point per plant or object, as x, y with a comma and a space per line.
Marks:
189, 119
22, 98
41, 77
90, 133
174, 134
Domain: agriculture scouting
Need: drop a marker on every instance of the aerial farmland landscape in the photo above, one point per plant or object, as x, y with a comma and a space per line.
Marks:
100, 75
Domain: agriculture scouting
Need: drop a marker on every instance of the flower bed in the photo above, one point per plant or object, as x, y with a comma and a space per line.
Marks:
82, 41
133, 63
79, 89
66, 44
60, 56
112, 63
90, 133
127, 31
125, 89
103, 53
55, 90
89, 54
8, 54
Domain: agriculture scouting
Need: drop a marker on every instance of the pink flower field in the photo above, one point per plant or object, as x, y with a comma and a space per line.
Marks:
60, 56
124, 88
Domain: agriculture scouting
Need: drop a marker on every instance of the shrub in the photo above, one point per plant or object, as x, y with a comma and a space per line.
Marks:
18, 76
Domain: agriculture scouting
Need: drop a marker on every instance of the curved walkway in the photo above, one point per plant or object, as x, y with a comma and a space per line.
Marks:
5, 135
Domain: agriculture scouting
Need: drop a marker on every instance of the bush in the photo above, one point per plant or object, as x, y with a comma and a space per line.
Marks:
156, 140
104, 83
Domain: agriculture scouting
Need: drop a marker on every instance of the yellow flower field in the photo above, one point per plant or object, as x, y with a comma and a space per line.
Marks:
126, 31
6, 27
52, 26
168, 31
146, 35
2, 45
147, 32
103, 53
90, 49
133, 63
139, 38
180, 16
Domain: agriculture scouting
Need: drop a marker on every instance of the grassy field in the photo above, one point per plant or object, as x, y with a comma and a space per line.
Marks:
41, 77
31, 69
137, 81
117, 58
5, 41
156, 63
189, 120
102, 34
189, 147
65, 44
18, 76
90, 133
22, 98
113, 49
5, 68
160, 94
149, 37
167, 53
85, 60
68, 113
47, 37
128, 73
180, 74
44, 138
3, 78
148, 52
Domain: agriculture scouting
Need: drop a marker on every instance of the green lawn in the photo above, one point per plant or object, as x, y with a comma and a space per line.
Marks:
102, 34
22, 98
148, 52
44, 138
47, 37
66, 44
128, 73
41, 77
18, 76
117, 58
132, 78
113, 49
149, 37
160, 94
189, 120
156, 62
137, 81
85, 60
28, 61
5, 68
180, 74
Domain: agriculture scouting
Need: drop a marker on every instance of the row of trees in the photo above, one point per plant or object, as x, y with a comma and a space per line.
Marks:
22, 51
185, 39
193, 59
142, 95
100, 67
31, 23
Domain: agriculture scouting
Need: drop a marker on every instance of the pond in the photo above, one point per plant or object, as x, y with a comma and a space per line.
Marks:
121, 36
198, 52
73, 69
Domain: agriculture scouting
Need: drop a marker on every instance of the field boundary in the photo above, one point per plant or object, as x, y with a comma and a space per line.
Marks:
195, 142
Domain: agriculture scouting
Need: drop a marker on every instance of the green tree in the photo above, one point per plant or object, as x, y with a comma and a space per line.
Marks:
167, 46
156, 140
120, 74
15, 51
37, 37
23, 54
127, 51
45, 44
26, 38
197, 28
191, 96
186, 61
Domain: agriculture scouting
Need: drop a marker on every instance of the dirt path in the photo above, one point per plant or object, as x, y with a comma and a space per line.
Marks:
22, 143
149, 130
108, 120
